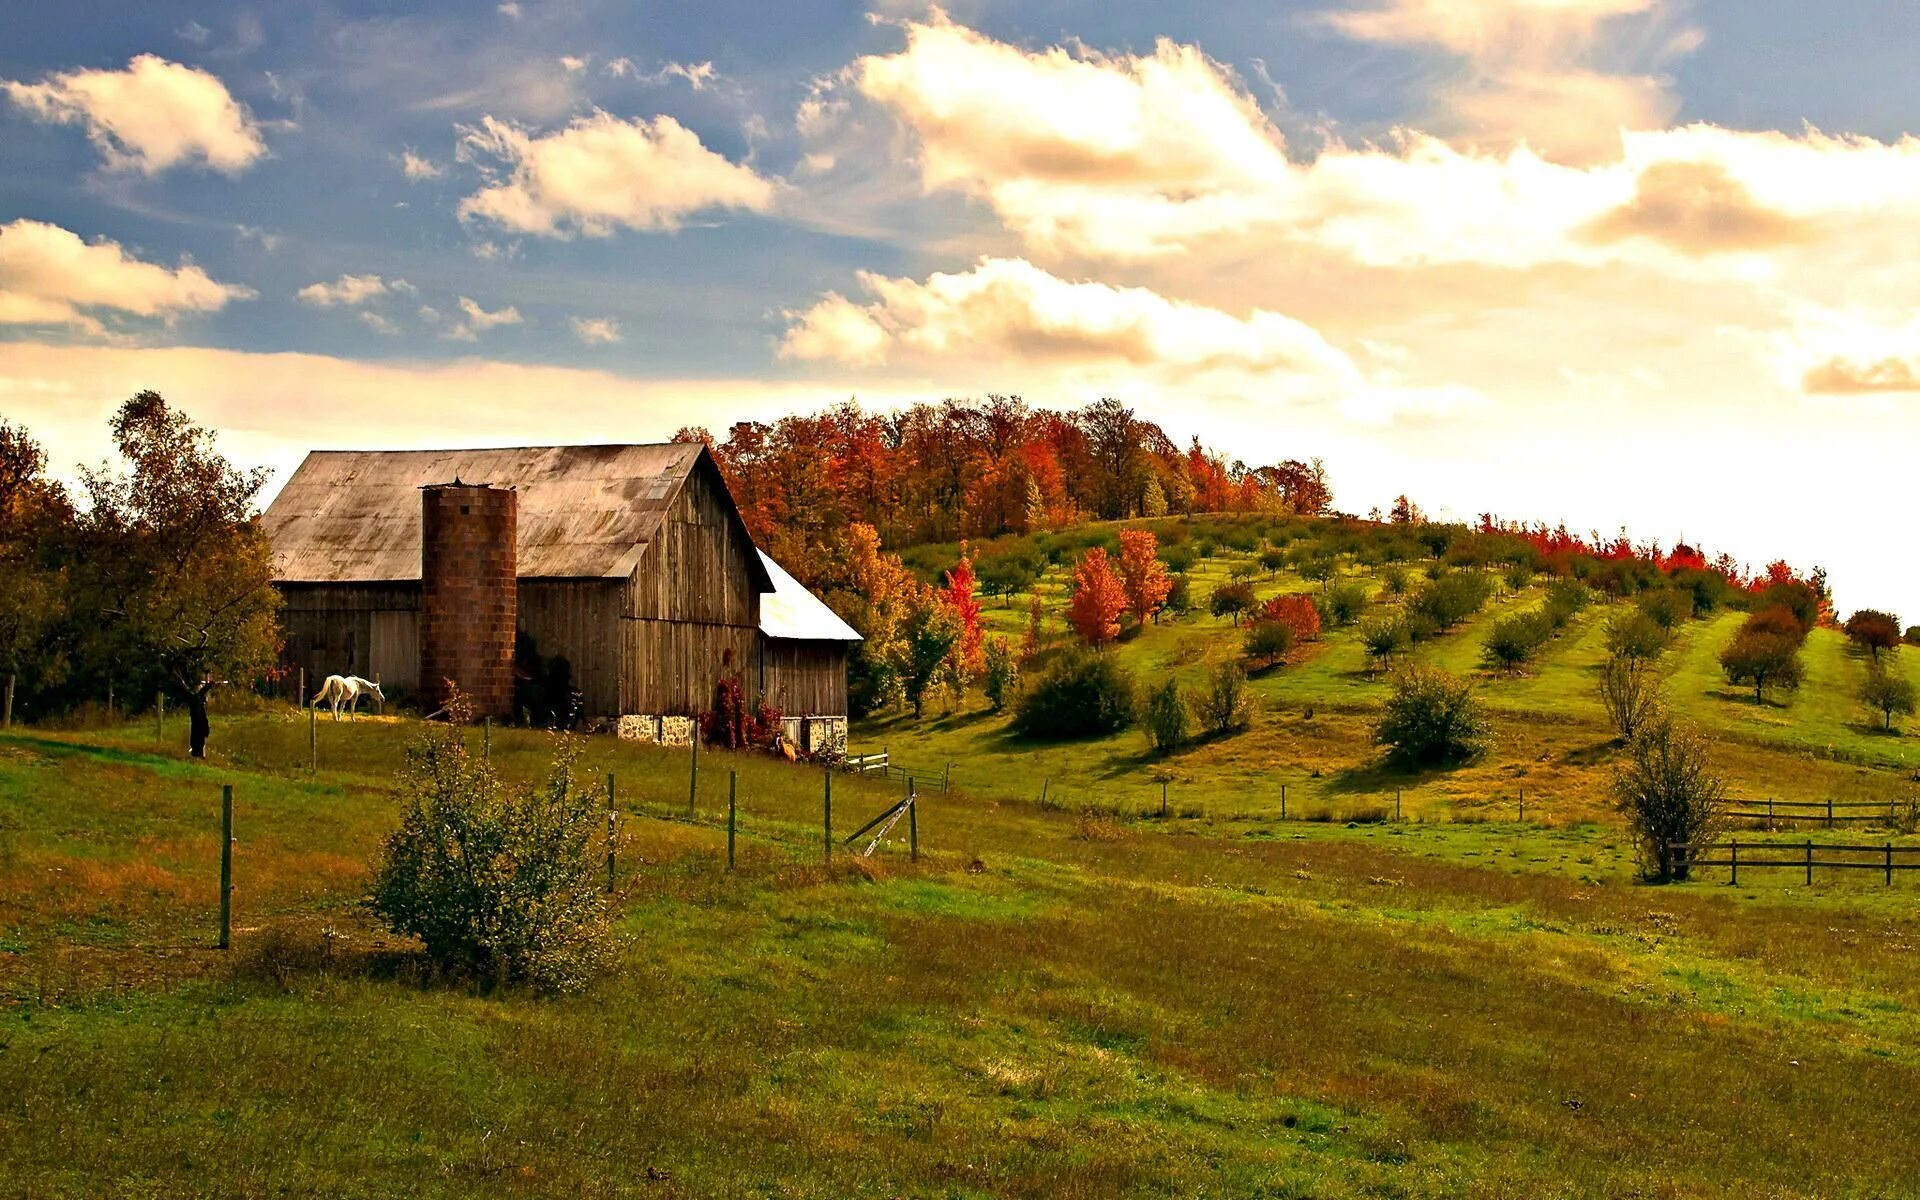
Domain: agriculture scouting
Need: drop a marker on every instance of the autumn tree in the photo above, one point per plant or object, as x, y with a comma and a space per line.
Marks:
1099, 597
1232, 600
1765, 658
32, 599
1146, 578
969, 649
1873, 631
173, 560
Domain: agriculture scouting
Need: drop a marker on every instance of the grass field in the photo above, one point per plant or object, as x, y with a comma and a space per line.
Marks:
1050, 1003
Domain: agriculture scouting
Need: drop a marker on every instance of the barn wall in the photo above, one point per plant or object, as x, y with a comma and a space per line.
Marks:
804, 678
369, 630
578, 620
692, 612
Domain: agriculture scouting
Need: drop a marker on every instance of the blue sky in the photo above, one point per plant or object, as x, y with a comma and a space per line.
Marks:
1603, 260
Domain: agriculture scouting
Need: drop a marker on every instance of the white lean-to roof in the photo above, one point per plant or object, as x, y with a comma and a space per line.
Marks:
791, 611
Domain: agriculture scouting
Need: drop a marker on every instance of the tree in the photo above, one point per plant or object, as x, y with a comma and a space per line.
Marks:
1147, 581
1167, 717
1764, 658
1003, 674
1223, 706
1913, 635
1513, 642
1098, 599
1668, 607
1383, 639
1405, 512
1036, 616
969, 653
1671, 798
1232, 600
1635, 635
1888, 694
1296, 612
932, 634
1432, 717
1080, 694
1630, 692
173, 559
1873, 631
1268, 641
497, 879
33, 511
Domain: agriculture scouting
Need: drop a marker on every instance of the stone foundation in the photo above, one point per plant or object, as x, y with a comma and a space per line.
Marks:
655, 730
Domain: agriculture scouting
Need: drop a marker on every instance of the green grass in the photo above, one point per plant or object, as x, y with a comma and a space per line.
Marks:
1048, 1004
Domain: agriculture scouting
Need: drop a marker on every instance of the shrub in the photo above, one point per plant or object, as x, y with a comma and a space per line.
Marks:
1345, 603
1179, 558
1565, 599
1890, 695
1420, 628
1513, 642
1271, 560
1082, 694
1873, 631
1268, 641
1167, 719
1764, 658
1669, 608
499, 880
1913, 635
1453, 597
1232, 600
1395, 580
1635, 635
1517, 576
1224, 707
1383, 639
1432, 717
1002, 681
1179, 597
1319, 568
1670, 798
1630, 692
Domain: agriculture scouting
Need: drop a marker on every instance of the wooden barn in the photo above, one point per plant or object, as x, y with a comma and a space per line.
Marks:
630, 563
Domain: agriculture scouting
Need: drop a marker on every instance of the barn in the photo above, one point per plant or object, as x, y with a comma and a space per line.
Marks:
627, 566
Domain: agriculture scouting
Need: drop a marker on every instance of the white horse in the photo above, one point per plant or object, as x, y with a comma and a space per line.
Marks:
347, 690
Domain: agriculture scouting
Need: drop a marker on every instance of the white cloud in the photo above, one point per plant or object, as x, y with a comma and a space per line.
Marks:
379, 324
510, 9
478, 320
193, 31
262, 238
153, 115
418, 168
601, 173
349, 290
48, 276
574, 62
595, 331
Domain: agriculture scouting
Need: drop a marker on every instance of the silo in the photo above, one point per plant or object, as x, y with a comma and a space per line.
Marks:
468, 594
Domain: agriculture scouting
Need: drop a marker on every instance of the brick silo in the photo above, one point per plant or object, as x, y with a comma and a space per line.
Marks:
468, 594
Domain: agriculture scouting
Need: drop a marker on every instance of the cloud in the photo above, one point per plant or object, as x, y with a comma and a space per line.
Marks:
595, 331
1842, 377
509, 9
48, 276
1698, 208
379, 324
574, 62
1529, 71
417, 168
262, 238
349, 290
479, 320
601, 173
193, 31
153, 115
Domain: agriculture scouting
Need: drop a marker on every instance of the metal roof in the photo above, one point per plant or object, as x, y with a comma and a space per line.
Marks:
585, 512
791, 611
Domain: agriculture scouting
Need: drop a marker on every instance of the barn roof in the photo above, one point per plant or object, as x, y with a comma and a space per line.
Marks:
791, 611
585, 512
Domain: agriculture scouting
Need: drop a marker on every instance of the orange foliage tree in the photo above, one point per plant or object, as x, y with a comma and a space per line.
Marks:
1099, 598
1147, 581
1297, 613
969, 649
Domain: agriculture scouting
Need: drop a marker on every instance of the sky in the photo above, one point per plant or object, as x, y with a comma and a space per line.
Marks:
1640, 263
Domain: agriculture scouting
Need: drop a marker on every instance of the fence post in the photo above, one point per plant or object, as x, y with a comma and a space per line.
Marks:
610, 831
1734, 862
693, 770
6, 710
1889, 864
1523, 806
313, 741
1044, 785
1769, 814
826, 816
160, 719
486, 738
226, 866
1809, 862
946, 780
1283, 802
1396, 804
1829, 812
732, 808
1163, 799
913, 826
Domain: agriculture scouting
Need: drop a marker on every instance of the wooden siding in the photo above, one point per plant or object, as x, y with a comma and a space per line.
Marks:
804, 679
329, 630
578, 620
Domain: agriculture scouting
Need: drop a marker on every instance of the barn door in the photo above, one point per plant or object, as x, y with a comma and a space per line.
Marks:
394, 655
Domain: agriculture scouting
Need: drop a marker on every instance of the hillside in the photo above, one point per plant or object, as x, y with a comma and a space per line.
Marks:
1047, 1004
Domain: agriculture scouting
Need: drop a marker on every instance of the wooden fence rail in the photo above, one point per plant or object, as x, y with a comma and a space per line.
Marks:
1802, 856
1826, 812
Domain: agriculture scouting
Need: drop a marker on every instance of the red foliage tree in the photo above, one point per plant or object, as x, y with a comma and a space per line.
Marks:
1297, 613
1099, 598
969, 650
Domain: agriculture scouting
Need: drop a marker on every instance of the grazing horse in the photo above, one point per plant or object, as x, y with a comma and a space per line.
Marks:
347, 690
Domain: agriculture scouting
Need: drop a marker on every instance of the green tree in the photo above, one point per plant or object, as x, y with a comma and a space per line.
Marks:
1002, 681
1513, 642
1766, 659
1383, 639
1888, 694
1223, 706
173, 562
931, 633
33, 513
1167, 718
1232, 600
1670, 796
1635, 635
1432, 717
1268, 641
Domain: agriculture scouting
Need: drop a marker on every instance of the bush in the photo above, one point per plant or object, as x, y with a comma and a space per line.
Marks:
1224, 707
1345, 604
1420, 628
1913, 635
1630, 692
1635, 635
1167, 719
1565, 599
1179, 601
1082, 694
1268, 641
1383, 639
1513, 642
1232, 600
503, 881
1179, 559
1669, 608
1453, 598
1395, 580
1432, 717
1002, 680
1271, 560
1517, 576
1889, 695
1669, 796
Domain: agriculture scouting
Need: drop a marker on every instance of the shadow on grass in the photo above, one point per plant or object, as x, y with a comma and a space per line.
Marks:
1746, 698
1383, 774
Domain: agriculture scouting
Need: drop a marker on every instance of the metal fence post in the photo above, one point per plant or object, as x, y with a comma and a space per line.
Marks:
226, 866
1889, 864
1829, 812
1163, 799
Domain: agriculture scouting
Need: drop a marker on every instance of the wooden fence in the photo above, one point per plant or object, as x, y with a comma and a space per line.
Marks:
1827, 812
1808, 857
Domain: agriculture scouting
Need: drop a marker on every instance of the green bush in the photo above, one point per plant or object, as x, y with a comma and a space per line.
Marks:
1516, 576
1178, 558
1383, 639
1002, 681
1431, 717
1889, 695
1232, 600
1167, 719
500, 880
1512, 643
1453, 597
1081, 694
1268, 641
1179, 601
1224, 707
1395, 580
1670, 797
1344, 604
1566, 598
1635, 635
1669, 608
